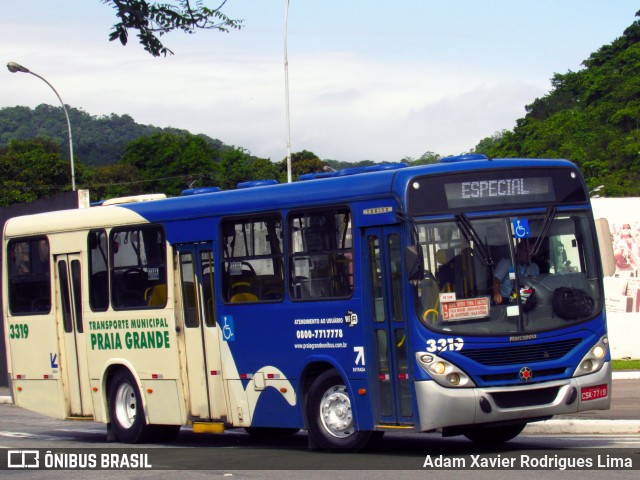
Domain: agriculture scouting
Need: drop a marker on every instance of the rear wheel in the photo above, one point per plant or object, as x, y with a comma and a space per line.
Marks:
494, 434
125, 409
330, 415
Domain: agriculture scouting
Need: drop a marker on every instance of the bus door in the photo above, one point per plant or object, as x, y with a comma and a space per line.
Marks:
204, 368
73, 353
394, 406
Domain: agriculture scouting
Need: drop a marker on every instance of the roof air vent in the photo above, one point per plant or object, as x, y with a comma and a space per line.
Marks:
199, 191
257, 183
464, 158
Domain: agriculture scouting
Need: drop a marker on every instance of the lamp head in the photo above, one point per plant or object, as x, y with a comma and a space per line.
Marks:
16, 67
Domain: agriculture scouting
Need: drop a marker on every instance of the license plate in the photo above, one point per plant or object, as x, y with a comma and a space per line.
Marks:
593, 393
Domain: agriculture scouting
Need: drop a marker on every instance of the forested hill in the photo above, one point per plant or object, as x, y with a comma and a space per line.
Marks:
591, 117
96, 140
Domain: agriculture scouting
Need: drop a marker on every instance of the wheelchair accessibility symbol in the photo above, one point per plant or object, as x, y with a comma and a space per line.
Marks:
228, 333
521, 228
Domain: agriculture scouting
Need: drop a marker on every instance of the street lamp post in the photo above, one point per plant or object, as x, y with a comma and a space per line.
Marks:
15, 67
286, 90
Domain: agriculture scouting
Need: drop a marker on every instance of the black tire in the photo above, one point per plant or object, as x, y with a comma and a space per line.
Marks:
125, 409
330, 416
493, 435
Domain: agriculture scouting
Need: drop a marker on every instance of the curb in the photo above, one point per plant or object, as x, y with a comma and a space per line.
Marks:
583, 427
626, 375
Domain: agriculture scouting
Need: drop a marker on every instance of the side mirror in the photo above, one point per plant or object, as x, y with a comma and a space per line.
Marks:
414, 263
606, 247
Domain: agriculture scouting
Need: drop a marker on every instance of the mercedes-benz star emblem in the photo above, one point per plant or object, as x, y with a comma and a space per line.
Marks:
525, 374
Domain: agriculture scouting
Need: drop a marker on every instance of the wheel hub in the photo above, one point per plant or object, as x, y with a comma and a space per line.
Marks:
336, 413
126, 405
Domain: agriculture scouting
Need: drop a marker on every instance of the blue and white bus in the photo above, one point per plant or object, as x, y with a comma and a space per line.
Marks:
348, 304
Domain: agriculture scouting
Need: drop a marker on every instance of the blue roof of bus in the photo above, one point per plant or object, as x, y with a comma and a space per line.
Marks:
335, 188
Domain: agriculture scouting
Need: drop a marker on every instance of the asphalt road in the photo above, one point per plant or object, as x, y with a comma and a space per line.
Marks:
237, 455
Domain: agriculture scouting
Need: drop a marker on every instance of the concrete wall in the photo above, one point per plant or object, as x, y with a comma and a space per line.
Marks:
624, 335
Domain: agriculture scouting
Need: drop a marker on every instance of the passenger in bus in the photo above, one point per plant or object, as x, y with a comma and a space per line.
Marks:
504, 272
445, 270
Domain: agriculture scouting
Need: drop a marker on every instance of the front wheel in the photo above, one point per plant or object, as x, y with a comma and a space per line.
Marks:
330, 415
494, 434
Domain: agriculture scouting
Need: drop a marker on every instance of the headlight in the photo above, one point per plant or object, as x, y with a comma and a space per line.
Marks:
443, 371
593, 361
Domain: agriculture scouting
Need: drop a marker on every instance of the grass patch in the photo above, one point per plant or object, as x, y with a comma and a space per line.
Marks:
625, 364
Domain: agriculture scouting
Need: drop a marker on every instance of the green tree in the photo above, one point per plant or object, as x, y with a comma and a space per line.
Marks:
488, 143
237, 165
169, 163
425, 159
303, 162
33, 169
338, 165
117, 180
154, 19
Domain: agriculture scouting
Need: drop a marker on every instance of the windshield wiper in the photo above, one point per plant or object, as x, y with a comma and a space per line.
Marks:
472, 235
551, 213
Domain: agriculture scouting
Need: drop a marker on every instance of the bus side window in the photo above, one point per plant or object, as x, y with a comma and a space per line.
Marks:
321, 265
98, 270
252, 259
138, 267
29, 276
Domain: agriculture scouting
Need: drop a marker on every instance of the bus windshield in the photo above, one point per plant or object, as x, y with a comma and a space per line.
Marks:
508, 275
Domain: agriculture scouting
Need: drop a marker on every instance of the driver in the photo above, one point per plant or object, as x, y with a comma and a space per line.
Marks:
503, 274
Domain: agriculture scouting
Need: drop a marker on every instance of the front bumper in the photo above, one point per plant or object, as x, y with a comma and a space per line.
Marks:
440, 407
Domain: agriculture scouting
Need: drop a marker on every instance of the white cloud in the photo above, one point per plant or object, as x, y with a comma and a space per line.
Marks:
343, 106
384, 112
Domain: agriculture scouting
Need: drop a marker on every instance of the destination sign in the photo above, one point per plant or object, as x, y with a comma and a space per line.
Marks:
495, 189
502, 190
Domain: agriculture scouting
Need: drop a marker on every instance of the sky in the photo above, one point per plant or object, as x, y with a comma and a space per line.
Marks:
368, 79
